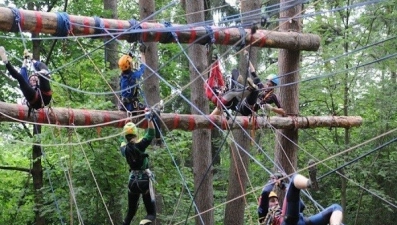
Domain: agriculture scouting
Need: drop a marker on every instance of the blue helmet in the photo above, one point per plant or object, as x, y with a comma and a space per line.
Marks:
273, 78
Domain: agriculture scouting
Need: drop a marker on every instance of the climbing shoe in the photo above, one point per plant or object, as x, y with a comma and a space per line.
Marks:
145, 222
313, 174
250, 82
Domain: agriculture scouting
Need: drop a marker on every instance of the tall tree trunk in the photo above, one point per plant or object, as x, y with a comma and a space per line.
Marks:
238, 177
111, 58
286, 149
151, 86
201, 138
111, 53
37, 175
234, 212
37, 168
346, 104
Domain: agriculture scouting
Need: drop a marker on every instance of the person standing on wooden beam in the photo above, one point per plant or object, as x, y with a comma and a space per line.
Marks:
36, 87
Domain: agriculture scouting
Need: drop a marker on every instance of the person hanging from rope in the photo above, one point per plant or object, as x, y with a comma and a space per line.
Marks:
292, 210
130, 74
36, 87
246, 101
140, 179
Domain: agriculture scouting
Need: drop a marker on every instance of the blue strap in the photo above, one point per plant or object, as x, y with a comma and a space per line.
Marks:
242, 37
99, 26
171, 34
17, 18
133, 36
210, 33
63, 25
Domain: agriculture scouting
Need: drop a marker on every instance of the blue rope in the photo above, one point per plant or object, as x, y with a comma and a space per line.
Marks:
63, 24
99, 26
133, 36
15, 22
242, 39
171, 34
210, 33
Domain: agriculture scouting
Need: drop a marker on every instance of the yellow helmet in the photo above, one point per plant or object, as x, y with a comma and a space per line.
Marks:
125, 62
130, 128
273, 194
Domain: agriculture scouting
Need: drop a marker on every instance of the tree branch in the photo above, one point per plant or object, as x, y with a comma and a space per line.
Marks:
15, 168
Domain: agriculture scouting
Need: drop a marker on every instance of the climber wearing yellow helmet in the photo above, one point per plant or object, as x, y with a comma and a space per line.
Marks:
140, 176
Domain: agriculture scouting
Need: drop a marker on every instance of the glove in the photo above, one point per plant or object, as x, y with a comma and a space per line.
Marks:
27, 54
149, 115
3, 54
267, 107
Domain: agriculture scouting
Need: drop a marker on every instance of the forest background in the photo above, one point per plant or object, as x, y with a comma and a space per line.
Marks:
353, 73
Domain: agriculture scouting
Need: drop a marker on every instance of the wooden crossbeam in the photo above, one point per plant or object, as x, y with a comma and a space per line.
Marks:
49, 22
80, 117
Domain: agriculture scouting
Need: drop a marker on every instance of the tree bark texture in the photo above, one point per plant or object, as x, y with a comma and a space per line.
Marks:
111, 48
202, 167
234, 212
238, 178
151, 85
47, 22
288, 60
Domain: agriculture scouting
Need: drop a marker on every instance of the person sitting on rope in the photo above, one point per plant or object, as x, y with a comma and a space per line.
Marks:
36, 87
249, 102
292, 210
140, 182
268, 97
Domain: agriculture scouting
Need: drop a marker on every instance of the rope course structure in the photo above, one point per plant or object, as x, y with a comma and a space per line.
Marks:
63, 26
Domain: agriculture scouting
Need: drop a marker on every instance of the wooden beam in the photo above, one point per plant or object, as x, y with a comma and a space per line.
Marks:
80, 117
47, 23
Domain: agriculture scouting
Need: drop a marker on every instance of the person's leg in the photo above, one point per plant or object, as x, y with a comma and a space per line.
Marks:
150, 206
133, 198
44, 84
292, 201
252, 98
331, 215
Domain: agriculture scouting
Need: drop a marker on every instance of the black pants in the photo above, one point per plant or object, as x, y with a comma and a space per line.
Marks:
247, 104
136, 189
31, 94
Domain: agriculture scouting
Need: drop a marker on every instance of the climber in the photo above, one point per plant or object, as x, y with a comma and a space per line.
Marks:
36, 87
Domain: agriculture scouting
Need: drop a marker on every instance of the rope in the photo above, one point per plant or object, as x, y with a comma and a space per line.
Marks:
15, 23
133, 37
63, 25
99, 26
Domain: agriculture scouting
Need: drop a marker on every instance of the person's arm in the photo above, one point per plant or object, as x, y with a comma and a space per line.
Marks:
264, 199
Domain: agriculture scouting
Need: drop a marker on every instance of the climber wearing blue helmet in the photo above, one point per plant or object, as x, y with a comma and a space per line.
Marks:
268, 97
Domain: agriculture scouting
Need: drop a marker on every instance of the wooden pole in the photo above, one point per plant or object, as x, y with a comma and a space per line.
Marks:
80, 117
56, 23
